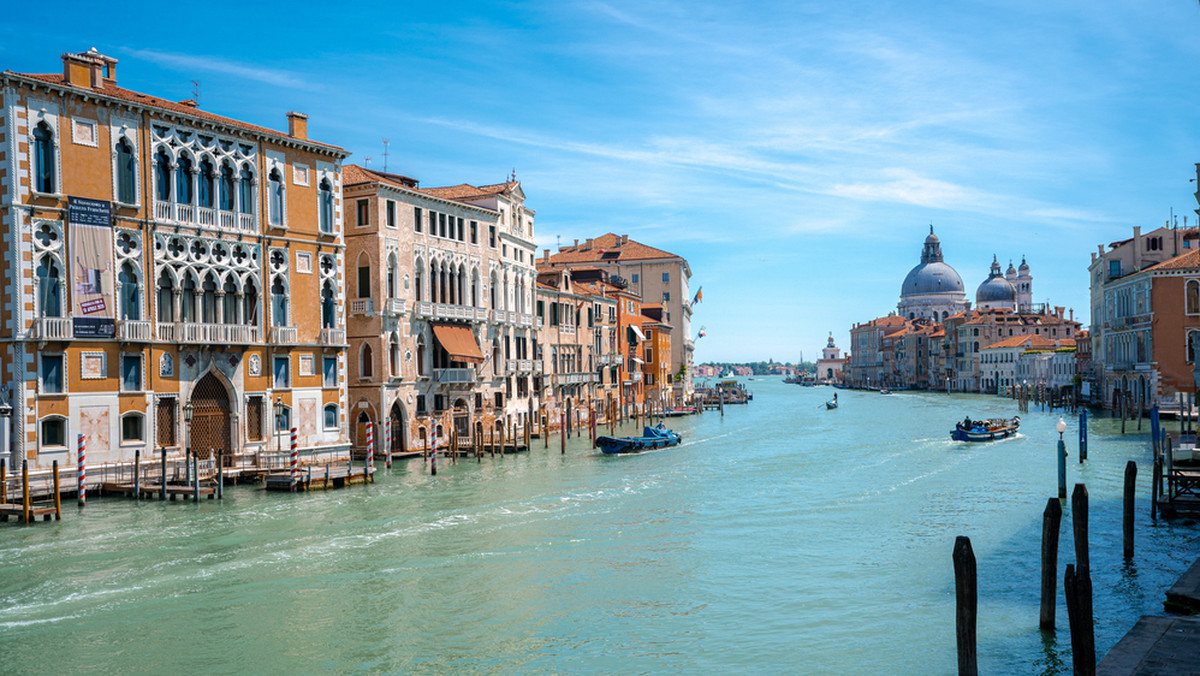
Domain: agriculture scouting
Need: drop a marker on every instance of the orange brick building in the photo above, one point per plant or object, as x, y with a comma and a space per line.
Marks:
153, 253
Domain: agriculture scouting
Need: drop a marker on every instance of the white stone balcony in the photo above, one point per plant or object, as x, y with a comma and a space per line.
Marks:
568, 329
575, 378
393, 307
424, 309
134, 331
53, 328
481, 314
524, 365
332, 337
455, 376
525, 319
362, 306
448, 311
173, 212
217, 334
284, 335
499, 316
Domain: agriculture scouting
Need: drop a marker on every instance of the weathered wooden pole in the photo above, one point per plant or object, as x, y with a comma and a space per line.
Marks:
1062, 467
1127, 520
196, 478
1083, 436
502, 438
57, 495
545, 431
3, 481
220, 477
1121, 402
966, 600
1079, 523
592, 415
1155, 485
1077, 585
562, 433
162, 489
137, 475
1051, 521
25, 491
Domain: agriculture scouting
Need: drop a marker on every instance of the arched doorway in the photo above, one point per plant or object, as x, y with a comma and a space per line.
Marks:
360, 430
210, 419
397, 425
462, 418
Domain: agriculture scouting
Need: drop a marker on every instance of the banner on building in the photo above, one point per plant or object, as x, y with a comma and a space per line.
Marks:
90, 223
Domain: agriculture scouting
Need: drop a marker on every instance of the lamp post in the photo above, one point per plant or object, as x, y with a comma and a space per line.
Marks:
188, 410
1061, 426
278, 416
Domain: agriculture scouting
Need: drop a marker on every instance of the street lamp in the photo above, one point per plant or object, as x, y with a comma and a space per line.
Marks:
188, 409
278, 418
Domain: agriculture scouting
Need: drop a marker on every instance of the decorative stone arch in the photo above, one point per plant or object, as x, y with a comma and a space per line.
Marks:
214, 422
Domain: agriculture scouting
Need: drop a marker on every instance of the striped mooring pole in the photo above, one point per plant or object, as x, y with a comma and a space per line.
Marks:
295, 462
370, 448
387, 442
82, 469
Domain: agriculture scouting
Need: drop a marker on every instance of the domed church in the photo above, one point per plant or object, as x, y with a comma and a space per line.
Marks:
1012, 291
932, 290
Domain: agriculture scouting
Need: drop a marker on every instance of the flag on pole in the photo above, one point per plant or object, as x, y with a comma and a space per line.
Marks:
699, 295
701, 334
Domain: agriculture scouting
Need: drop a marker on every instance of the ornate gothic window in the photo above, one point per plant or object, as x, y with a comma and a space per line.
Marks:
328, 306
183, 180
205, 188
162, 175
325, 195
275, 198
166, 298
225, 189
246, 192
1192, 297
279, 303
49, 288
131, 293
43, 158
126, 173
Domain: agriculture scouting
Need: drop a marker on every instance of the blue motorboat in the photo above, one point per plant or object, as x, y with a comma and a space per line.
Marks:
652, 437
986, 430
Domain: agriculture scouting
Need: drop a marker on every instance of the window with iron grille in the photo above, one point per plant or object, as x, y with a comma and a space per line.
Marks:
165, 422
254, 418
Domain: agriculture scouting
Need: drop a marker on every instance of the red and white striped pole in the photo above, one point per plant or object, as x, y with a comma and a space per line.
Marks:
433, 455
370, 448
387, 442
82, 469
295, 462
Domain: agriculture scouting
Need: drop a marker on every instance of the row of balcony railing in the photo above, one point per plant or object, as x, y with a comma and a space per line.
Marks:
174, 212
145, 331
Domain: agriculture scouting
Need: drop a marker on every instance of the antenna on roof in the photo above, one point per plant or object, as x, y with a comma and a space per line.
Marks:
367, 160
385, 149
558, 242
196, 92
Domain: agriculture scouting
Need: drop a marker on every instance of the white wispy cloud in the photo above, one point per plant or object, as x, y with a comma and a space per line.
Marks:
214, 64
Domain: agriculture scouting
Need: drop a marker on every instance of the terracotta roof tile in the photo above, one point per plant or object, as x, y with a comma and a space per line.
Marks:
1185, 261
464, 191
353, 174
138, 98
606, 248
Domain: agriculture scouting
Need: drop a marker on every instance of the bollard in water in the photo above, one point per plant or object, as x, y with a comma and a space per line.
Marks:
1083, 435
1051, 521
1079, 523
1062, 469
966, 600
1127, 517
162, 489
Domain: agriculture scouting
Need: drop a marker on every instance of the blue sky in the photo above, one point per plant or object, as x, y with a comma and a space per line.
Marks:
794, 152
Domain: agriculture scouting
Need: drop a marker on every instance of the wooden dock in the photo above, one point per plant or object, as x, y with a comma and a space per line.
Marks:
152, 490
1156, 646
319, 477
1183, 597
46, 512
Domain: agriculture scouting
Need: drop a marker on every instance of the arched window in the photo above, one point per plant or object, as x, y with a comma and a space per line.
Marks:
275, 198
225, 189
187, 299
49, 288
328, 307
166, 298
976, 347
421, 355
131, 293
391, 277
1192, 297
417, 276
162, 175
208, 300
126, 173
183, 180
205, 191
53, 432
43, 158
331, 416
394, 358
325, 197
246, 192
133, 427
1191, 352
229, 302
365, 362
250, 304
279, 304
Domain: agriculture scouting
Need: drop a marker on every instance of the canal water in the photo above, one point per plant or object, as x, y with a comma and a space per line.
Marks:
780, 538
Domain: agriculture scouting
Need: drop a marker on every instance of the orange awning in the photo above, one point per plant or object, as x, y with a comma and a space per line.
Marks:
459, 342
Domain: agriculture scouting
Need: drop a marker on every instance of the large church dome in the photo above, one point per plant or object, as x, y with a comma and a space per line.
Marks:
996, 291
932, 289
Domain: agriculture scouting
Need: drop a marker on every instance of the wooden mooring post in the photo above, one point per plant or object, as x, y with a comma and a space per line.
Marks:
3, 481
1051, 522
966, 600
162, 488
1079, 524
562, 433
1077, 585
1127, 516
137, 474
25, 498
1083, 436
57, 495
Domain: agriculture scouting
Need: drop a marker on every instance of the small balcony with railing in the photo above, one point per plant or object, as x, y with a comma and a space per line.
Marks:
362, 307
285, 335
52, 328
575, 378
332, 337
393, 307
211, 334
525, 319
135, 331
457, 376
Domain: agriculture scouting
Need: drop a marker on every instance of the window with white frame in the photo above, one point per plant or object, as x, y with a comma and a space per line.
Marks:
331, 416
133, 428
50, 373
131, 373
53, 432
330, 372
282, 372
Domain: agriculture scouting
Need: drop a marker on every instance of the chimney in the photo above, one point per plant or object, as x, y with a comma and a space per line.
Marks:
588, 244
190, 103
576, 244
82, 70
298, 125
1137, 247
546, 255
1100, 247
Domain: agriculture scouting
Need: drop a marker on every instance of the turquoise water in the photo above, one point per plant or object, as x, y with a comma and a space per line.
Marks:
780, 538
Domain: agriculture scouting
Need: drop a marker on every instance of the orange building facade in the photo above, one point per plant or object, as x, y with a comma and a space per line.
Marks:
154, 255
